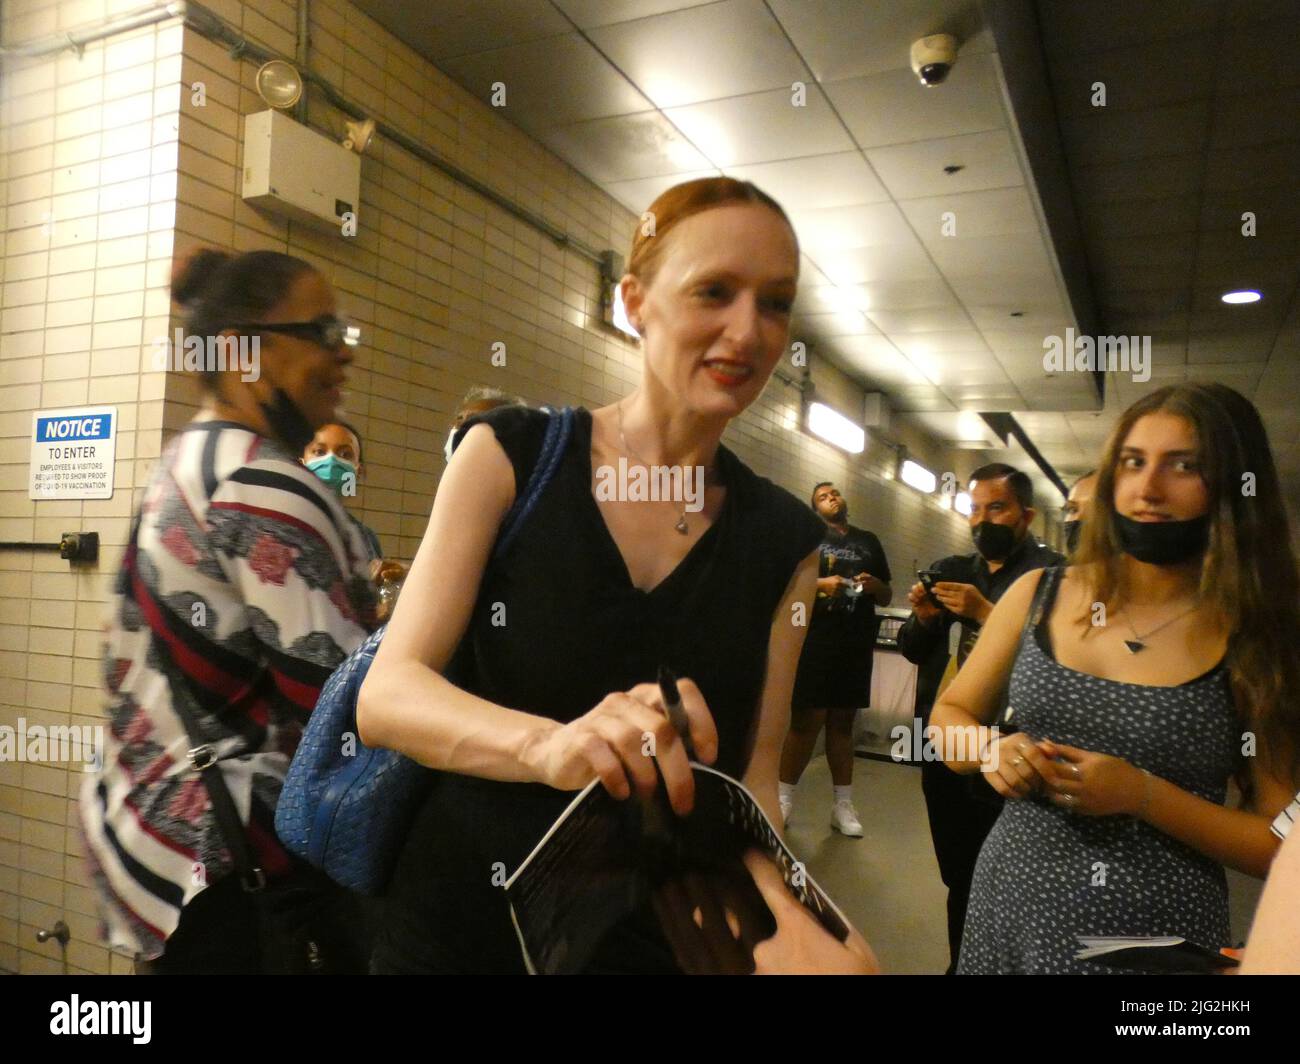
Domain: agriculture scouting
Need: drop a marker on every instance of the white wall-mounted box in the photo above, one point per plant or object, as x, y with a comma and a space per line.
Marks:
292, 170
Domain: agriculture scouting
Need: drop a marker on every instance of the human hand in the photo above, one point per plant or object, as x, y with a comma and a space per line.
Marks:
964, 600
801, 946
1015, 765
619, 742
1093, 784
834, 586
926, 611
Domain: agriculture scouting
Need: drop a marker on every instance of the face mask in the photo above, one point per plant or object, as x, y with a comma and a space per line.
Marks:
287, 423
446, 447
334, 470
994, 542
1163, 542
1072, 530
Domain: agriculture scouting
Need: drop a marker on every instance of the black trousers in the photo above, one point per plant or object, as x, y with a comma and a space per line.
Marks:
224, 930
961, 816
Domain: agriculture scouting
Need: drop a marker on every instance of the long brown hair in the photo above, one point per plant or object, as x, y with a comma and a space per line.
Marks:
680, 202
1249, 572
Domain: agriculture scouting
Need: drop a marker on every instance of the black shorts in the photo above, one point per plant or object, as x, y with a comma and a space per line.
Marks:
833, 675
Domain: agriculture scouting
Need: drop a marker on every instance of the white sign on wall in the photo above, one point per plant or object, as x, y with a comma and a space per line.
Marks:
72, 453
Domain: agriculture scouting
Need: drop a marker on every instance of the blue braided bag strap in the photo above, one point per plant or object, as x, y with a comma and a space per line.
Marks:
559, 427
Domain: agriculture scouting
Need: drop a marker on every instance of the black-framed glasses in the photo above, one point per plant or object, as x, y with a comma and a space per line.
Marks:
329, 333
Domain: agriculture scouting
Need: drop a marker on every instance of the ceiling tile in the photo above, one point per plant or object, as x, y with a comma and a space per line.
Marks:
553, 82
837, 180
895, 108
837, 323
921, 320
761, 128
851, 266
1014, 254
1241, 169
732, 48
993, 212
1257, 59
637, 195
625, 148
848, 38
1109, 136
1069, 27
901, 295
912, 171
1136, 77
859, 226
1237, 345
1143, 179
588, 14
1254, 120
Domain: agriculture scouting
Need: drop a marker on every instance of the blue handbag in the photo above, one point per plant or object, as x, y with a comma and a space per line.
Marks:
346, 807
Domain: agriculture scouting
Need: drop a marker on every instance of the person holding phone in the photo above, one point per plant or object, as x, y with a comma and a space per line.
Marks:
529, 676
963, 591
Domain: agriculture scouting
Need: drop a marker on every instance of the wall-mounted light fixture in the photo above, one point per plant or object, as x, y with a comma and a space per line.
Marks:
835, 428
915, 475
961, 503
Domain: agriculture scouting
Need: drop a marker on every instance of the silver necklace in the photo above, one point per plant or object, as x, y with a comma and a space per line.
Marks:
681, 525
1138, 642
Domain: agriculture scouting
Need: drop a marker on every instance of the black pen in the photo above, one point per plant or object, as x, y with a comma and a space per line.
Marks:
673, 707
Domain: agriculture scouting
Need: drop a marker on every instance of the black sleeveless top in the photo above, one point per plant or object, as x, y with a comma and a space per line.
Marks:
557, 626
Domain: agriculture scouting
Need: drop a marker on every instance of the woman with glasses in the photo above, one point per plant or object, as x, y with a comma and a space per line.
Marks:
242, 587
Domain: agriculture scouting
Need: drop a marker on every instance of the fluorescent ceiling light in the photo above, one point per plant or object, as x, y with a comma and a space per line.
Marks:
961, 503
1244, 296
917, 476
835, 428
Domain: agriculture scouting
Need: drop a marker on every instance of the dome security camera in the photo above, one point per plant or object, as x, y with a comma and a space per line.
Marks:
933, 57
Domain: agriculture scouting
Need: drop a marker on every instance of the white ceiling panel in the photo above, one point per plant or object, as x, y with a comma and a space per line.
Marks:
865, 225
914, 171
637, 195
626, 148
920, 320
851, 38
837, 323
966, 215
838, 180
731, 48
588, 14
556, 81
762, 127
888, 108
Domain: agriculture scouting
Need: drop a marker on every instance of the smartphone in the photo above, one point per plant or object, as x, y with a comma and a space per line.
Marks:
928, 577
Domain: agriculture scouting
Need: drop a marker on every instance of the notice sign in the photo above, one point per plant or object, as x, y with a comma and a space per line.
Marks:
72, 453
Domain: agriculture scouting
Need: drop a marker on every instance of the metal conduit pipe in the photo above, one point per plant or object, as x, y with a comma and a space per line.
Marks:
78, 39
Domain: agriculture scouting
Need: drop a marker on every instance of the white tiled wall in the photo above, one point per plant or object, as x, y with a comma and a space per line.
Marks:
107, 164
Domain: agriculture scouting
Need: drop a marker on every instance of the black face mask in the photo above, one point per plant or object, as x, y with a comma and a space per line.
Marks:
994, 542
287, 423
1163, 542
1072, 530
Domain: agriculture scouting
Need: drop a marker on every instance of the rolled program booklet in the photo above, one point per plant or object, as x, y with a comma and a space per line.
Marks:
604, 860
1167, 953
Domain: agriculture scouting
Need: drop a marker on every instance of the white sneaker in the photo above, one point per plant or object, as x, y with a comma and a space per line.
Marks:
844, 819
786, 805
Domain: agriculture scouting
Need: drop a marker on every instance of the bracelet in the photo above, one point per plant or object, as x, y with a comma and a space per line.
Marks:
1146, 794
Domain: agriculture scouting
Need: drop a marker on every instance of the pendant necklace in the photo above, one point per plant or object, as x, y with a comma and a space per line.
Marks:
681, 525
1138, 642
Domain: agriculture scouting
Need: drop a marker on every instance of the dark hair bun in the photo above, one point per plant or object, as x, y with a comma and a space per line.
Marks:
192, 273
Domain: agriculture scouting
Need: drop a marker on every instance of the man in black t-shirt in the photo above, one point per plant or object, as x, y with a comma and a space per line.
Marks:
834, 677
962, 809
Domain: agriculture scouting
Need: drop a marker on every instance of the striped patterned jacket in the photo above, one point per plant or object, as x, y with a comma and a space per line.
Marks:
243, 587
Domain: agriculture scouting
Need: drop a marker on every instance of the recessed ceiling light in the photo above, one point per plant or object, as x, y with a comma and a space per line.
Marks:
1244, 296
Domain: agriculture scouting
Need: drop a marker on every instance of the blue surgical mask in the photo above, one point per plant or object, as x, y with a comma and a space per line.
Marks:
334, 471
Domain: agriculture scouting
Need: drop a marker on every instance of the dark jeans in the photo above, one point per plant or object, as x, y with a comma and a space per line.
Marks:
961, 816
223, 931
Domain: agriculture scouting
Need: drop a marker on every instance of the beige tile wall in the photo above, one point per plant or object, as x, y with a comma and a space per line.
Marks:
108, 164
88, 165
